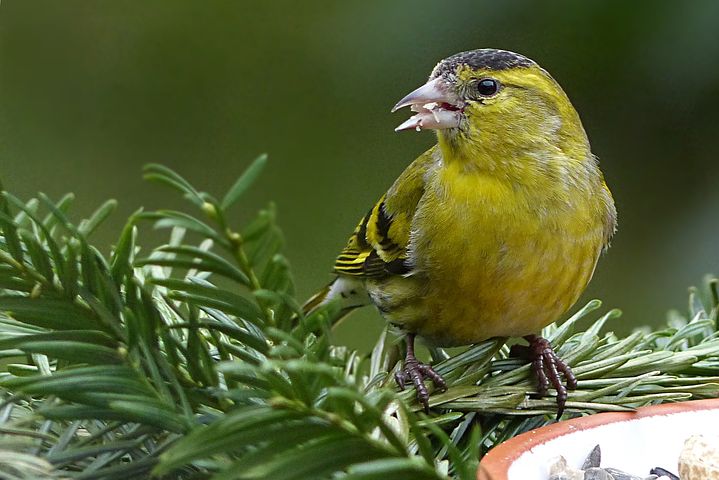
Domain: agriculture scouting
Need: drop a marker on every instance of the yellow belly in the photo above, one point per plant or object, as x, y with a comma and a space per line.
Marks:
513, 291
492, 263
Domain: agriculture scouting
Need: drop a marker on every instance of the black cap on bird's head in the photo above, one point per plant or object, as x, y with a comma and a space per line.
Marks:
484, 59
438, 104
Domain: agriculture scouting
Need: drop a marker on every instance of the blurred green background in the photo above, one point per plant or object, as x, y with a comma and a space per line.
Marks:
91, 90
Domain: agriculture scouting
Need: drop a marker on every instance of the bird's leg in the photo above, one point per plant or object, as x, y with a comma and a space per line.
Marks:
547, 367
417, 371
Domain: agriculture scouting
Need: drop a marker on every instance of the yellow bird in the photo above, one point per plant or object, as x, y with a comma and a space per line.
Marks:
493, 232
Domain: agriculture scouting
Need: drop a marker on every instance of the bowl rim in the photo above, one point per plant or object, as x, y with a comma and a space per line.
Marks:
495, 464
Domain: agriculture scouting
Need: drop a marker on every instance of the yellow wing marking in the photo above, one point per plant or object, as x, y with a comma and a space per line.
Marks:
378, 246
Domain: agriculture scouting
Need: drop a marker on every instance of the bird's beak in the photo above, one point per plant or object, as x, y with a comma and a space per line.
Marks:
436, 105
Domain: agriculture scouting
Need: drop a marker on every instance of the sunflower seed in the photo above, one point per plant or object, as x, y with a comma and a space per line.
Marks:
594, 473
619, 475
594, 459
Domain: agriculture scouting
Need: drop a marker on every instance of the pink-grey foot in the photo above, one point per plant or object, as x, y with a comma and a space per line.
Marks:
548, 369
417, 372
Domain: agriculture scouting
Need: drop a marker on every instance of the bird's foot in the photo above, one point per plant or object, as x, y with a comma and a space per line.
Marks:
417, 372
547, 367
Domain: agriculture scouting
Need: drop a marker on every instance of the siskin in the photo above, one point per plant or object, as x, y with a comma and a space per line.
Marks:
493, 232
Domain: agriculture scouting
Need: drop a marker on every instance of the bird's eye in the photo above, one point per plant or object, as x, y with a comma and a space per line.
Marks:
487, 87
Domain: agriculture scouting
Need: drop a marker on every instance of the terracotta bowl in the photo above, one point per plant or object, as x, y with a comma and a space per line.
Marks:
633, 442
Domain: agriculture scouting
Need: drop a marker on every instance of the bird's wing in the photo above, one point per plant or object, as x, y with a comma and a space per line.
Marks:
378, 246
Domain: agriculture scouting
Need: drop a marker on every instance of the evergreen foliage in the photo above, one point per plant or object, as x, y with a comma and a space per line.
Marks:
193, 360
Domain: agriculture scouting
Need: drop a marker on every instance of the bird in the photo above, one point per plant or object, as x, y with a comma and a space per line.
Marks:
495, 231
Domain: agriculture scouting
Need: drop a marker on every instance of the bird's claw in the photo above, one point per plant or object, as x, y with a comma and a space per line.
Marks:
417, 372
547, 367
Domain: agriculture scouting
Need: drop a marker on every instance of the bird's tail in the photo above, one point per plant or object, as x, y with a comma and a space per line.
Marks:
350, 293
319, 298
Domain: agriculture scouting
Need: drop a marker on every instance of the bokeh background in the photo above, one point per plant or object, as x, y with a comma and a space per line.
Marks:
91, 90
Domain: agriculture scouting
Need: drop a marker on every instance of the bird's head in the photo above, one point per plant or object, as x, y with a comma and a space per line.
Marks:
495, 100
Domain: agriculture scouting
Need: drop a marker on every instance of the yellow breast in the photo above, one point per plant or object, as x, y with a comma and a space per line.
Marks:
494, 258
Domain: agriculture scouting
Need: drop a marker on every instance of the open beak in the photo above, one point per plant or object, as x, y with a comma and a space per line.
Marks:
437, 107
